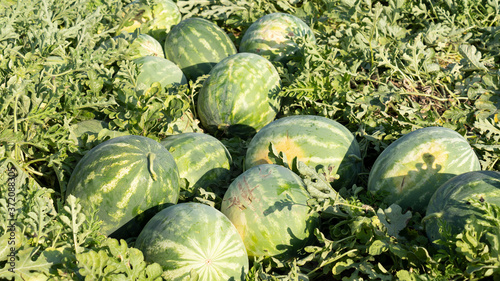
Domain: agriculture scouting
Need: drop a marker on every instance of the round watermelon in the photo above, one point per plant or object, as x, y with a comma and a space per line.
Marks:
411, 168
153, 17
319, 142
156, 69
144, 45
203, 160
196, 45
240, 96
273, 35
128, 179
450, 204
193, 237
268, 206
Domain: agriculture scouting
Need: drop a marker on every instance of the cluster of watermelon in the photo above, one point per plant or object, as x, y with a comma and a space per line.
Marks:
135, 182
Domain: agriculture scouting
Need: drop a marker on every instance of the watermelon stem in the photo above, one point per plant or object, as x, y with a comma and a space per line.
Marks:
151, 157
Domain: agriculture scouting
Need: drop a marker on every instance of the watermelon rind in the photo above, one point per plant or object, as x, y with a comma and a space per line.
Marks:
240, 96
272, 36
268, 206
196, 45
203, 161
193, 237
450, 205
412, 168
157, 69
321, 143
144, 45
128, 179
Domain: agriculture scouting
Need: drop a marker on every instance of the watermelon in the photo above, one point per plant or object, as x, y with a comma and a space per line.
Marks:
203, 161
144, 45
193, 237
157, 69
153, 17
450, 203
268, 206
273, 35
196, 45
410, 169
240, 95
321, 143
128, 179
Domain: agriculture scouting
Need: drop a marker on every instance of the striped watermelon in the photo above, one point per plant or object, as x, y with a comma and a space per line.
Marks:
153, 17
411, 168
193, 237
240, 96
156, 69
196, 45
268, 206
202, 160
319, 142
272, 36
144, 45
449, 204
128, 179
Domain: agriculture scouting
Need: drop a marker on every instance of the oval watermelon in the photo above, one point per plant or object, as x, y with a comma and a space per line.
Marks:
196, 45
202, 160
153, 17
449, 204
128, 178
319, 142
411, 168
268, 206
193, 237
144, 45
272, 36
240, 96
156, 69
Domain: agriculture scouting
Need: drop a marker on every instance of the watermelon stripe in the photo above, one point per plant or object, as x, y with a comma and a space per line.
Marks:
449, 203
122, 173
415, 165
269, 36
317, 141
118, 176
196, 44
241, 92
194, 236
202, 160
268, 206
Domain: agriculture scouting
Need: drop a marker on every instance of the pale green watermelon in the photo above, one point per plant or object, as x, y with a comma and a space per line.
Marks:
272, 36
240, 96
203, 160
268, 206
449, 205
128, 179
144, 45
193, 237
157, 69
412, 168
319, 142
153, 17
196, 45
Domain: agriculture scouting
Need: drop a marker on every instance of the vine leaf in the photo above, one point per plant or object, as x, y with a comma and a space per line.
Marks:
25, 268
393, 219
472, 58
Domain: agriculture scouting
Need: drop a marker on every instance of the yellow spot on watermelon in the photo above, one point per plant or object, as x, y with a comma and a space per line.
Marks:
285, 145
423, 161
